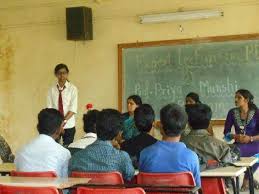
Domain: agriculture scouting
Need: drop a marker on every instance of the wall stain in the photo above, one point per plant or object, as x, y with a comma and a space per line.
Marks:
7, 52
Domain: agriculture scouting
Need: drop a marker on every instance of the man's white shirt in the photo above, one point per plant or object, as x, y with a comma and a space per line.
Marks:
43, 154
85, 141
69, 99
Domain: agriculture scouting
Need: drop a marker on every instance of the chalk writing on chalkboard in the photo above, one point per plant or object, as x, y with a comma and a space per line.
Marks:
165, 71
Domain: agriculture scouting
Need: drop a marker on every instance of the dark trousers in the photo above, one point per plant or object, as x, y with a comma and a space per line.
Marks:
68, 136
254, 168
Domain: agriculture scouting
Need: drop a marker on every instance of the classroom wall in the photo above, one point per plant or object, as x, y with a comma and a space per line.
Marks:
33, 41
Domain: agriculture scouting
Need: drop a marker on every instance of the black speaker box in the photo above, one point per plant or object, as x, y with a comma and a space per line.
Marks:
79, 23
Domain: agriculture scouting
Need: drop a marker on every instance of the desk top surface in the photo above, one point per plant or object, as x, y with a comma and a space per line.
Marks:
246, 161
59, 183
229, 171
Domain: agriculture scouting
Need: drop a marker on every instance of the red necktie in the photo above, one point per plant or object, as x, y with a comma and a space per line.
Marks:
60, 101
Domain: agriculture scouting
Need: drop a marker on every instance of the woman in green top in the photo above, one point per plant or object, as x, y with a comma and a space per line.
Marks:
130, 129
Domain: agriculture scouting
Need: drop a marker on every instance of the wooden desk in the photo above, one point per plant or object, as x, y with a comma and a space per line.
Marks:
224, 172
229, 171
248, 162
6, 168
59, 183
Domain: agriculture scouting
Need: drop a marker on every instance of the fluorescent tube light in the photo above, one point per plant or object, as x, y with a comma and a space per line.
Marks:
177, 16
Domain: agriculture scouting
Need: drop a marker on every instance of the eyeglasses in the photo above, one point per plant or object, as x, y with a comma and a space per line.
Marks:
62, 72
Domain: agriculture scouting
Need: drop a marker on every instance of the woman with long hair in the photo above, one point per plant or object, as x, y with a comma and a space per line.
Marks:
130, 130
245, 119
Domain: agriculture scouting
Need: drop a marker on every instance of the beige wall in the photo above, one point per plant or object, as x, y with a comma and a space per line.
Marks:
33, 41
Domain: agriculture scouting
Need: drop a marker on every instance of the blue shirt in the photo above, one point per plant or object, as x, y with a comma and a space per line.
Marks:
101, 156
170, 157
43, 154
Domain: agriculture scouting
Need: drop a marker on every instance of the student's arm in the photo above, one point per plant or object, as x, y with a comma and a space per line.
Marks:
73, 105
69, 115
142, 161
255, 138
210, 129
247, 138
196, 170
64, 165
229, 122
127, 168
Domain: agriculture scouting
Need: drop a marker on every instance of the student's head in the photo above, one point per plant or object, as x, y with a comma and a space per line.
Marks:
61, 72
243, 98
192, 98
89, 120
109, 124
173, 119
50, 122
199, 115
133, 102
144, 117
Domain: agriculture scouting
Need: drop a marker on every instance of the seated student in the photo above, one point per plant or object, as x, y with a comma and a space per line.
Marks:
144, 117
44, 153
5, 151
170, 155
90, 136
200, 140
193, 98
101, 156
190, 98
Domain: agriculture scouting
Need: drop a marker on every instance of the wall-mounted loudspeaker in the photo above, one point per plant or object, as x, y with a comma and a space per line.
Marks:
79, 23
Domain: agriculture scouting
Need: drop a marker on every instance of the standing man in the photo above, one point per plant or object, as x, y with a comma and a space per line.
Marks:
63, 97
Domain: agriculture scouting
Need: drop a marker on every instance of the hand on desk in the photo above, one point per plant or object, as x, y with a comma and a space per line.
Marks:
242, 138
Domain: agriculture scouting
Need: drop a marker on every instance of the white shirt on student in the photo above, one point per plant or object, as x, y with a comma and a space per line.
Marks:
69, 100
85, 141
43, 154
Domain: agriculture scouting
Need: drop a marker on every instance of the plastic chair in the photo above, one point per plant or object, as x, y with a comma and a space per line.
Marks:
182, 178
212, 185
27, 190
101, 177
166, 179
34, 174
84, 190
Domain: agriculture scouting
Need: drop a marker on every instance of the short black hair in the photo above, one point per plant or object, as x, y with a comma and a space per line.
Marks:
89, 120
60, 66
49, 120
199, 115
194, 96
136, 99
144, 117
109, 124
173, 119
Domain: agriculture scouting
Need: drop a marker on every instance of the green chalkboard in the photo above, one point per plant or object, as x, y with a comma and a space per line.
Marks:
165, 71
